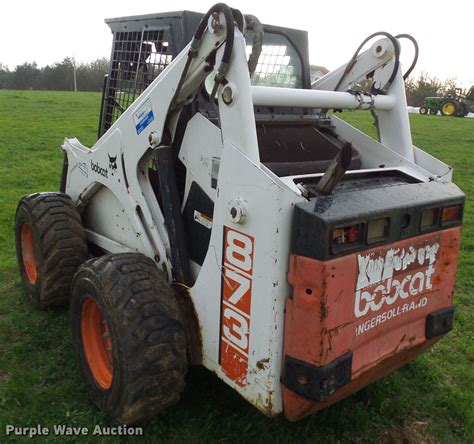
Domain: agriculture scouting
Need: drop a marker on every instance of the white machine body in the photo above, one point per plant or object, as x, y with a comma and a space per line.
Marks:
240, 290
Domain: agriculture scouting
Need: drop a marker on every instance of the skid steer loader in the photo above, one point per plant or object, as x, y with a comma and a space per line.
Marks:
226, 218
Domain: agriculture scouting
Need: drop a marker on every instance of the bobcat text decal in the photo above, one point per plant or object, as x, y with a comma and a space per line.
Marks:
236, 294
99, 170
393, 275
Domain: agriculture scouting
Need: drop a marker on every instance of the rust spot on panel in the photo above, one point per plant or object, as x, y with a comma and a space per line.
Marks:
190, 323
265, 405
262, 364
336, 329
323, 311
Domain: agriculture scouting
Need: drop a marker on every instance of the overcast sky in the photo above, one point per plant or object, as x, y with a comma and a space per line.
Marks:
47, 31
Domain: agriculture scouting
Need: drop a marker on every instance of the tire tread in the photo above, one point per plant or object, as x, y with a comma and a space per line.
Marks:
144, 309
62, 243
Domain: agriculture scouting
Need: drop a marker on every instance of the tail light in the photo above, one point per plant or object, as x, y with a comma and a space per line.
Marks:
377, 230
429, 219
347, 235
451, 214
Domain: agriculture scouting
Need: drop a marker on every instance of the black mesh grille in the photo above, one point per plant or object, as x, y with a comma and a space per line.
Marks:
140, 54
279, 64
137, 59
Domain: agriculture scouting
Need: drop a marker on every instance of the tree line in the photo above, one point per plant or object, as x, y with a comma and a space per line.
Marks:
90, 76
417, 88
56, 77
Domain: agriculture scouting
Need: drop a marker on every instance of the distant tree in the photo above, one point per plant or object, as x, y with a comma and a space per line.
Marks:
450, 86
5, 76
90, 76
58, 77
425, 86
49, 78
55, 77
26, 76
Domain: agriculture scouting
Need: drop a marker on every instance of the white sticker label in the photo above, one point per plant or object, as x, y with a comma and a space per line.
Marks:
83, 168
202, 219
143, 116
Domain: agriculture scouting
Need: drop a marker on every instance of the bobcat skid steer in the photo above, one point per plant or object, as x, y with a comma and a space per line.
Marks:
225, 218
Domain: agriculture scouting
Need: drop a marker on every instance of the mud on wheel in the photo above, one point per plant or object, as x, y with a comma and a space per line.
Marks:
50, 245
128, 335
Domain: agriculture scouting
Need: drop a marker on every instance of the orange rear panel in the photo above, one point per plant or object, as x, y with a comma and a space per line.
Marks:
372, 303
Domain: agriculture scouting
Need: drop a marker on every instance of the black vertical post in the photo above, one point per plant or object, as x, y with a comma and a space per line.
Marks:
102, 107
171, 207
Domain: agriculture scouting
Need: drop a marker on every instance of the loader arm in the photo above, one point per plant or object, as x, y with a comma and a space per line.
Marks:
122, 188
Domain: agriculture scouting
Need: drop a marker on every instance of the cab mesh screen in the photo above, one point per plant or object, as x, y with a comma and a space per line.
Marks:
137, 59
279, 64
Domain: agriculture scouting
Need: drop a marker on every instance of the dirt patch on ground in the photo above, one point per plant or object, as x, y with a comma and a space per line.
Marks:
415, 432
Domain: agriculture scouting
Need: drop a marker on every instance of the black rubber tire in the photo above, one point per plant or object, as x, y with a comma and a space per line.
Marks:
423, 110
58, 242
148, 339
433, 111
462, 110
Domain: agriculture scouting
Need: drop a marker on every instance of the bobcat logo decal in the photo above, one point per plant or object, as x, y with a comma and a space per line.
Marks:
112, 162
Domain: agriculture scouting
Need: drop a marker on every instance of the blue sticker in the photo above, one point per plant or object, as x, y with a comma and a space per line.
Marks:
143, 116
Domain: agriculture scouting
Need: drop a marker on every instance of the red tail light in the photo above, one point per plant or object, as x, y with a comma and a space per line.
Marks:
346, 235
450, 214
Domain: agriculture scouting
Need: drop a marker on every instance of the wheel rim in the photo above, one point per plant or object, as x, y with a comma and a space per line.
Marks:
28, 254
96, 343
449, 108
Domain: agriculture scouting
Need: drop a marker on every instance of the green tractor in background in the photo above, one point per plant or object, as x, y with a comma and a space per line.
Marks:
459, 104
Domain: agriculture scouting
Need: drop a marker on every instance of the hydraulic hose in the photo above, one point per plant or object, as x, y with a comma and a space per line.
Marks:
229, 46
417, 51
257, 41
353, 61
238, 19
229, 22
196, 43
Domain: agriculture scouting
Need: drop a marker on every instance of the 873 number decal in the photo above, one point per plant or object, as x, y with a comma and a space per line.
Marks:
236, 295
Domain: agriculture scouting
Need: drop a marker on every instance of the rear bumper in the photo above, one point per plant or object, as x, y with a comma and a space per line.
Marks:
347, 326
297, 407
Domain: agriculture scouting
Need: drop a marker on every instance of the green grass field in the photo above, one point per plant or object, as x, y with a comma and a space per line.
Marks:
429, 400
